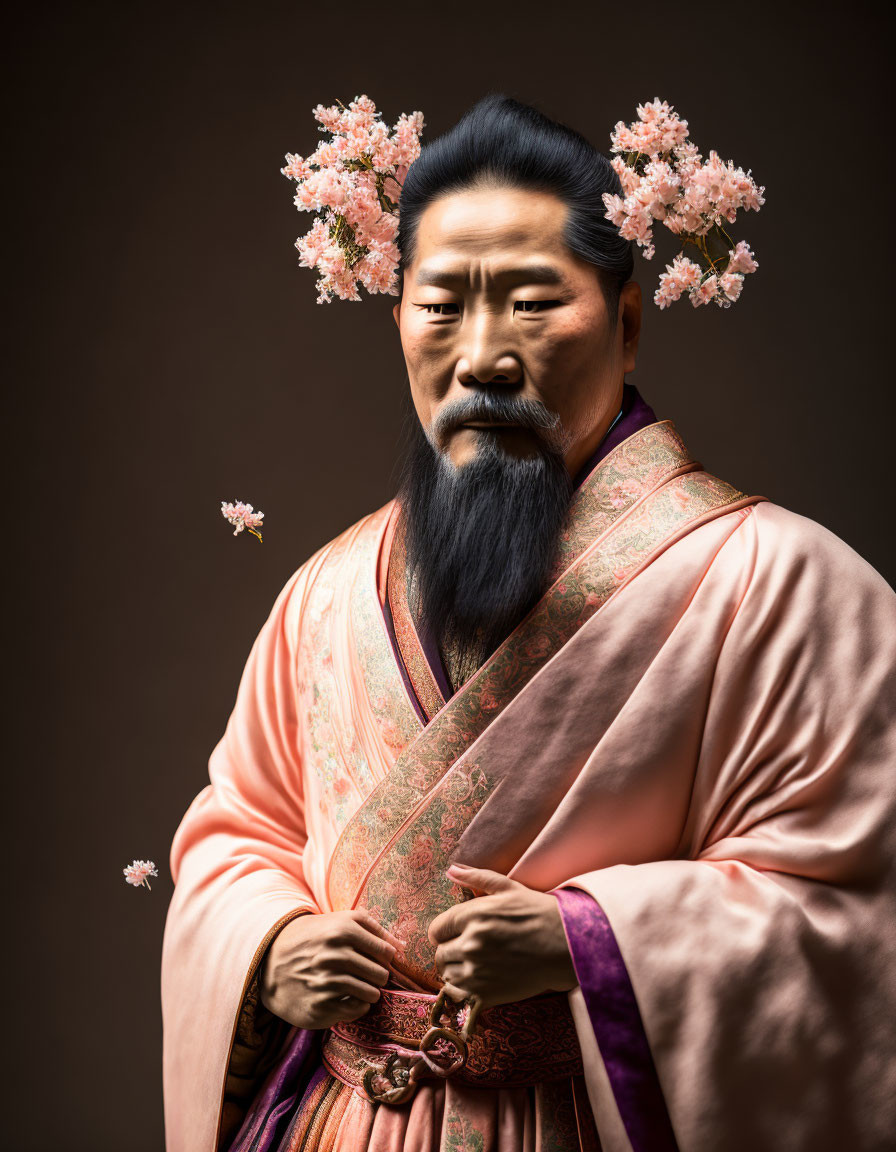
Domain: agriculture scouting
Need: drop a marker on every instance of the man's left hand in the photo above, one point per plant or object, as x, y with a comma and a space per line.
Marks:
506, 945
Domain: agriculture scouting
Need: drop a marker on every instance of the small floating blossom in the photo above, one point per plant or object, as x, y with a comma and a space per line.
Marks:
242, 516
137, 872
352, 183
665, 178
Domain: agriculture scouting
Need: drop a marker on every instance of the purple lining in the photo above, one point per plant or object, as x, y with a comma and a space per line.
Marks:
616, 1020
277, 1100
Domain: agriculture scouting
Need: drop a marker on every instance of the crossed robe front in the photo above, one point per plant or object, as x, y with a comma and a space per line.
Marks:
690, 740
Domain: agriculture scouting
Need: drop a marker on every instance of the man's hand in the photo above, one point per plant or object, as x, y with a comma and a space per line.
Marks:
325, 967
507, 945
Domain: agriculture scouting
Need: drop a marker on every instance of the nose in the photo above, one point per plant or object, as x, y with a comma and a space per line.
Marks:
487, 359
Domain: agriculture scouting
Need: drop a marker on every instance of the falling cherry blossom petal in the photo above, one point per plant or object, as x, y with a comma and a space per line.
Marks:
242, 516
137, 872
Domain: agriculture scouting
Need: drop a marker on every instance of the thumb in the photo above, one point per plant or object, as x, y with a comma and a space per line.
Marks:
482, 879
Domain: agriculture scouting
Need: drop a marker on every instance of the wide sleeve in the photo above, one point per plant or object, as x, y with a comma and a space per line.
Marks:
760, 958
236, 861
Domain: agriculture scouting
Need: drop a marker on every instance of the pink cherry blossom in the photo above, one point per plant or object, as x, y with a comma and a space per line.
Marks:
665, 178
136, 873
682, 275
706, 291
731, 284
741, 258
242, 516
352, 183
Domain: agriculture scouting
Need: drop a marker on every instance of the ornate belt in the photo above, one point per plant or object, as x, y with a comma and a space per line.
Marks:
407, 1037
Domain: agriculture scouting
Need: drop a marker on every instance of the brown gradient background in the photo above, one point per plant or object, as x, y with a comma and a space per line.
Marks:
168, 354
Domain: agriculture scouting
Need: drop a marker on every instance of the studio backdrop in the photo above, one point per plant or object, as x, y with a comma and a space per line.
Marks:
169, 354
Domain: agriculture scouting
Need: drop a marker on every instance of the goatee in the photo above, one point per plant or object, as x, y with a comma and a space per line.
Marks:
480, 538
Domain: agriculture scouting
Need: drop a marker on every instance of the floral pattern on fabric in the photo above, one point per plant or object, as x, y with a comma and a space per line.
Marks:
337, 751
633, 469
645, 525
439, 789
461, 1134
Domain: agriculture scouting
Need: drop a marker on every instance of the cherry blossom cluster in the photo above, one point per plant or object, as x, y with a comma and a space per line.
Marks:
136, 873
665, 178
352, 183
242, 516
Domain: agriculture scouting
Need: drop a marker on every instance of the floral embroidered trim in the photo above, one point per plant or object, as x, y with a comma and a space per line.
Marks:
411, 650
566, 606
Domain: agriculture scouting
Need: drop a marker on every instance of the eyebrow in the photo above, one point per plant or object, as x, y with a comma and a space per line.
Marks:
529, 274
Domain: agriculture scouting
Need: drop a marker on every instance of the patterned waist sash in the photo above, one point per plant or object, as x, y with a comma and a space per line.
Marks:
411, 1036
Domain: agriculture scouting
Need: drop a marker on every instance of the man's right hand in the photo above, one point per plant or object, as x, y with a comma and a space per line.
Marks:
326, 967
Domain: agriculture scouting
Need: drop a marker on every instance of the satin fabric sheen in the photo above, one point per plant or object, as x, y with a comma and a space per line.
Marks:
293, 1100
724, 735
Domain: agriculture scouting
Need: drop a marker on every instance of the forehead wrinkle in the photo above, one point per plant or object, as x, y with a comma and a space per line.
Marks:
447, 275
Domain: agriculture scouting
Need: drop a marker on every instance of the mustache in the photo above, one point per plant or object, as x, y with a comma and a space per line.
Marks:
498, 407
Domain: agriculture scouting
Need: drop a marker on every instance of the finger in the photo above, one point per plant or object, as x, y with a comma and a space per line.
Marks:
457, 974
355, 964
449, 953
449, 923
350, 1008
362, 916
482, 879
350, 986
455, 991
361, 939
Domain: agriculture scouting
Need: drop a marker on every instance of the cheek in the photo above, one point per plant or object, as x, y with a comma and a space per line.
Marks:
575, 336
424, 349
572, 361
430, 367
585, 327
572, 352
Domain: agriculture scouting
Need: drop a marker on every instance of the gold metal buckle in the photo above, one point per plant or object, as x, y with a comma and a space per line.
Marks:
441, 1051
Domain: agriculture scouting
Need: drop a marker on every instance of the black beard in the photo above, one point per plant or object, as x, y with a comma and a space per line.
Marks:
480, 539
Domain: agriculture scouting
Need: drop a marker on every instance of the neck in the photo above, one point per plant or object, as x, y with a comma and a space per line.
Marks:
577, 456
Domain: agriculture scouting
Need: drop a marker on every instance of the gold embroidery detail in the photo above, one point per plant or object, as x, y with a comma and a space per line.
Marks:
626, 477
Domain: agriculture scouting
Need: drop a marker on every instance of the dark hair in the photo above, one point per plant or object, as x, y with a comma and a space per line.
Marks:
503, 142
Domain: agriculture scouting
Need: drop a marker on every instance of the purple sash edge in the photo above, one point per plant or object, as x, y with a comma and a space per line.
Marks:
294, 1075
616, 1020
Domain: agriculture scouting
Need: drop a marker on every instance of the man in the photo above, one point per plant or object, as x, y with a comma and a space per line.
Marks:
572, 731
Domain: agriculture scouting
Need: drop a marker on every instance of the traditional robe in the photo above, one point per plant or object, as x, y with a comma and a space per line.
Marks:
690, 740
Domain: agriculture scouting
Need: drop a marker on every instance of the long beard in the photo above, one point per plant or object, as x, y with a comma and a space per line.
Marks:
480, 540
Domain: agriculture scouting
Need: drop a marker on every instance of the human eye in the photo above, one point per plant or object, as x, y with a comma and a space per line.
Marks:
535, 305
440, 305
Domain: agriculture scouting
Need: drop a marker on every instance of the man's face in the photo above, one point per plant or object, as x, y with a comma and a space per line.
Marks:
495, 302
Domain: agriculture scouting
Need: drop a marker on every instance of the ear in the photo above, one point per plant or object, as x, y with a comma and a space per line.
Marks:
630, 319
396, 312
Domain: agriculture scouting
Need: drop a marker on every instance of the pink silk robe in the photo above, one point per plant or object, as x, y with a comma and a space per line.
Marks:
694, 727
